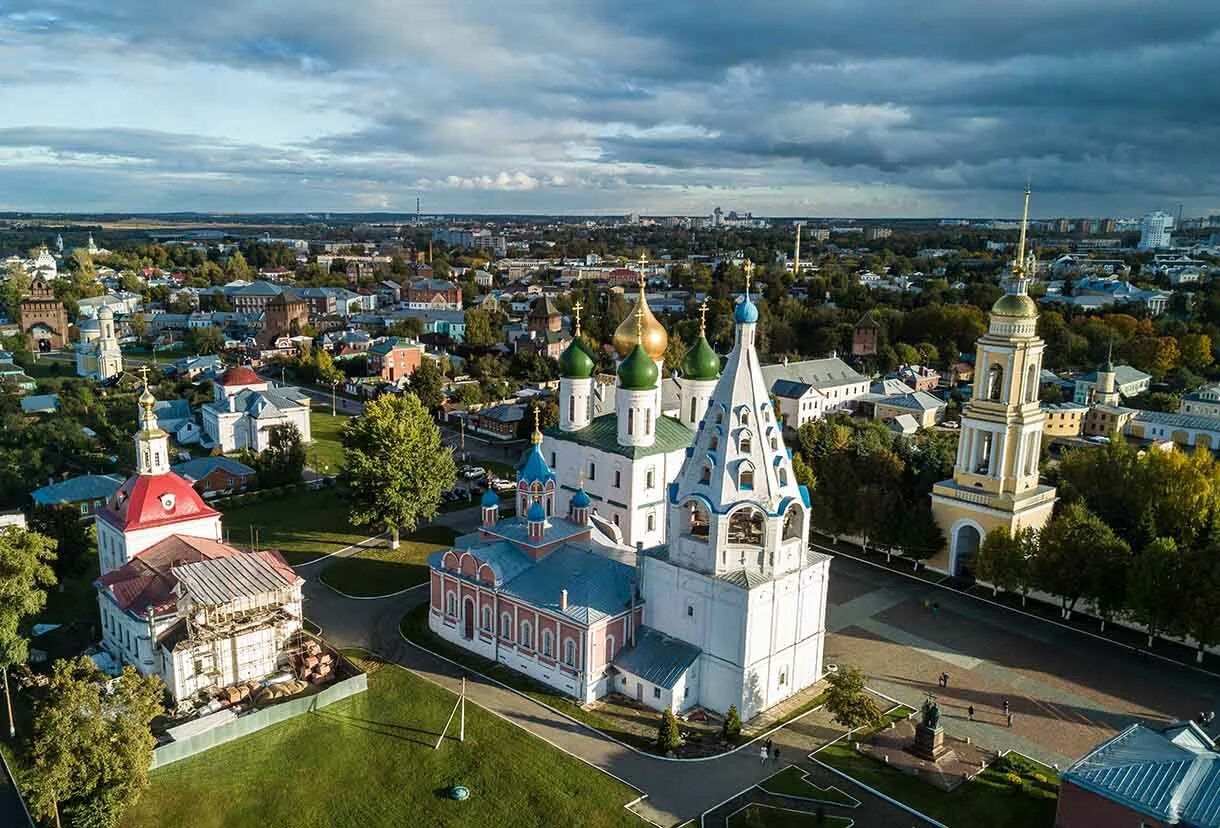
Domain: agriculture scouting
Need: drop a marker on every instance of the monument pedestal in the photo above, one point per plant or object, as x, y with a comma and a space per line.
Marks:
930, 744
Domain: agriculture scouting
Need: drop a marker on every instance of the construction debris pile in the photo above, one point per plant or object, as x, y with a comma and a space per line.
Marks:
312, 664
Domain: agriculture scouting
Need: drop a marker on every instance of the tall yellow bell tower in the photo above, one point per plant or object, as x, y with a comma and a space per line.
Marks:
995, 479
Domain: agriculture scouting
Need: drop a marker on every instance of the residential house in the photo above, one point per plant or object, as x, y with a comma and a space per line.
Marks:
836, 385
1204, 401
922, 406
87, 492
246, 407
1064, 419
499, 421
1130, 382
918, 377
434, 294
215, 475
394, 359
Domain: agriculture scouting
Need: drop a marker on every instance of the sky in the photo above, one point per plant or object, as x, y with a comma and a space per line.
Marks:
854, 108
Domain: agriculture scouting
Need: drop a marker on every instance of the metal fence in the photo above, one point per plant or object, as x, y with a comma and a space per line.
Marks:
256, 720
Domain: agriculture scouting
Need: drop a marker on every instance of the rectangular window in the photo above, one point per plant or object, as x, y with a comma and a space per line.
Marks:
592, 471
630, 420
690, 611
553, 460
651, 478
618, 479
656, 692
652, 522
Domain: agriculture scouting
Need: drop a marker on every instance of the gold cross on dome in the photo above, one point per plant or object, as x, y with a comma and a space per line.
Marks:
577, 308
703, 317
643, 264
144, 374
748, 267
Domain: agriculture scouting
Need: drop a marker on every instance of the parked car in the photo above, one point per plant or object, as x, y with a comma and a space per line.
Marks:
473, 472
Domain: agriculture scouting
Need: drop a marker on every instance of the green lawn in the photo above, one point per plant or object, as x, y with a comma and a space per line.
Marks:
74, 598
369, 760
326, 451
415, 627
381, 570
989, 799
764, 816
302, 525
793, 782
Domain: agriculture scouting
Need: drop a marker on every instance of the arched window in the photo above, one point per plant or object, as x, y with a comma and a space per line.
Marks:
692, 409
630, 420
527, 636
719, 417
743, 442
745, 477
572, 408
783, 476
548, 643
706, 476
698, 523
745, 418
995, 381
746, 526
774, 443
609, 648
569, 652
793, 519
487, 619
451, 603
1031, 383
648, 421
506, 627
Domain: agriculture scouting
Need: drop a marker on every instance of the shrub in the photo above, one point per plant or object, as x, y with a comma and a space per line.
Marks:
668, 737
732, 724
1013, 779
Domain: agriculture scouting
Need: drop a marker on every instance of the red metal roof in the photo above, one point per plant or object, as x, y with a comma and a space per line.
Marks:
240, 375
153, 500
147, 581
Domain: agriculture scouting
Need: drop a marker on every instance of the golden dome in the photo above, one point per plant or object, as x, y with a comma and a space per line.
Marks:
655, 339
1018, 305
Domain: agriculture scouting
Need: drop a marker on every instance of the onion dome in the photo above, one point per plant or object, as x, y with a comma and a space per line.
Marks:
1015, 305
700, 362
491, 500
580, 500
654, 338
746, 312
575, 362
535, 513
638, 372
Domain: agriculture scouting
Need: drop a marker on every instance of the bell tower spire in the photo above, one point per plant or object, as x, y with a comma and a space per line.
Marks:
151, 443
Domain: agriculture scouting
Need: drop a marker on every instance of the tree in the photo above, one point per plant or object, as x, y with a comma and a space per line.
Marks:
236, 267
1196, 351
427, 383
731, 729
412, 328
668, 736
480, 330
81, 264
1067, 549
92, 743
283, 461
328, 374
395, 466
1005, 560
1156, 585
73, 537
848, 701
139, 325
205, 340
25, 572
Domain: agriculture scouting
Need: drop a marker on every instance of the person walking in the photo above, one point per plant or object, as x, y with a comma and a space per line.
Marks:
767, 745
763, 753
1010, 720
777, 756
1005, 705
970, 712
946, 675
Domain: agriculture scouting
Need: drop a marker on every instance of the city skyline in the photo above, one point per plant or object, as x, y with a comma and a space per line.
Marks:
873, 110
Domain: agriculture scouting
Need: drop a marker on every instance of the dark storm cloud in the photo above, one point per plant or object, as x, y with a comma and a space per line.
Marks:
1111, 106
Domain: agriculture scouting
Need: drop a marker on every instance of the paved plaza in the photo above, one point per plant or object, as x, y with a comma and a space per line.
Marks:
1067, 691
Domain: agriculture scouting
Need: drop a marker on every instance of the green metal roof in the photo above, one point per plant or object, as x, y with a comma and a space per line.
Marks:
575, 362
637, 372
701, 362
602, 434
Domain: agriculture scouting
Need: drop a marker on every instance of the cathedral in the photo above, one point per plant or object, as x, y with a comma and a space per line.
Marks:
723, 603
995, 479
100, 359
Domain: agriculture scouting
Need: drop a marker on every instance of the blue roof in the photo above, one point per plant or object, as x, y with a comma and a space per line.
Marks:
598, 587
490, 498
78, 489
38, 403
506, 560
790, 389
746, 311
1172, 773
533, 467
172, 409
535, 512
201, 467
515, 529
580, 500
657, 658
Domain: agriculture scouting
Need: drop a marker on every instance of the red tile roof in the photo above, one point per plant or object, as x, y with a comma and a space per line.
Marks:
240, 375
147, 581
153, 500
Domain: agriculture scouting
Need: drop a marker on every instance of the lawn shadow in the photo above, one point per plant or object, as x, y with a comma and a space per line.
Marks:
394, 731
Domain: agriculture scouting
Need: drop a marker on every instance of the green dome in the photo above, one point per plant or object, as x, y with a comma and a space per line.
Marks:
1016, 305
575, 362
638, 372
700, 362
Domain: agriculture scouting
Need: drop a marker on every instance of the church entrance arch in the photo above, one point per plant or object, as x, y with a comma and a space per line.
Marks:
966, 541
468, 619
